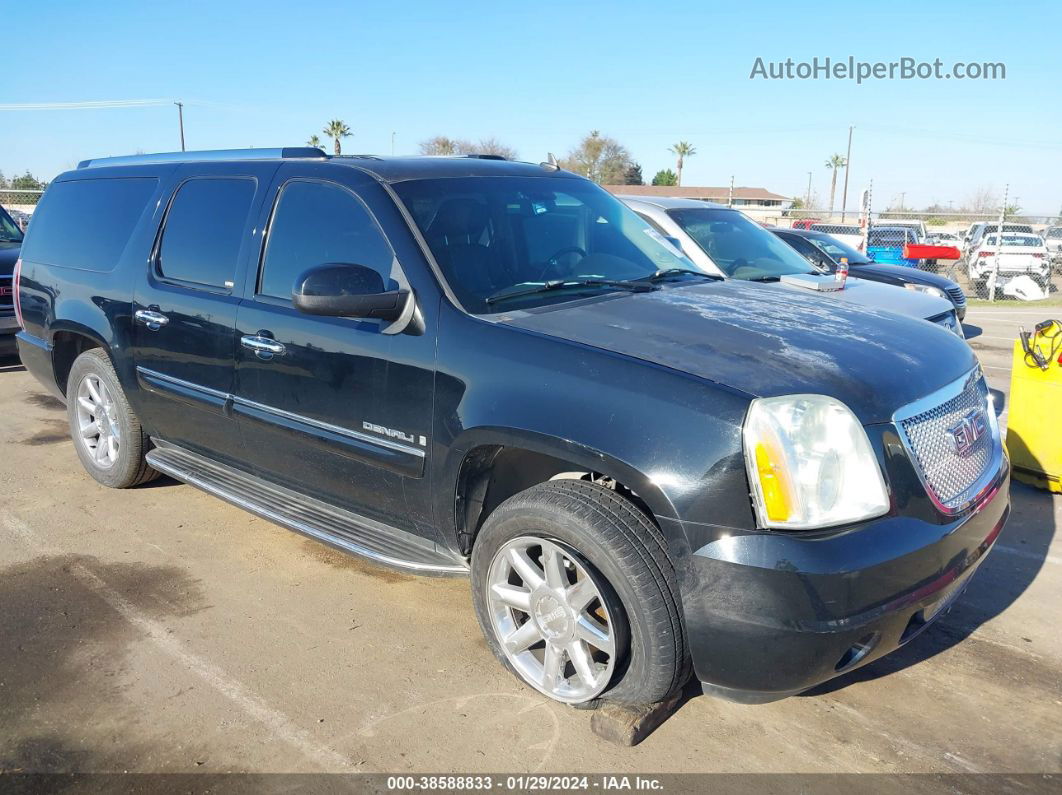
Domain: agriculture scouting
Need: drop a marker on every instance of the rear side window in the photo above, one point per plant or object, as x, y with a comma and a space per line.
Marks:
204, 229
87, 223
317, 223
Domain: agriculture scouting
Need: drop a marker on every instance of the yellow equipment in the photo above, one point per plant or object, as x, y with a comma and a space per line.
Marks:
1034, 424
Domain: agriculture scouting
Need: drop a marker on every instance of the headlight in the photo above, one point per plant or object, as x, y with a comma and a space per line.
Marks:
925, 288
810, 464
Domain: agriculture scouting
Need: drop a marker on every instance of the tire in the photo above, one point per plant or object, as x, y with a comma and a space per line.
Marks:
122, 464
608, 540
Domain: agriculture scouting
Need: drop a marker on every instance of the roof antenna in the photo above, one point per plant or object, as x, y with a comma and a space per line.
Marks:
551, 163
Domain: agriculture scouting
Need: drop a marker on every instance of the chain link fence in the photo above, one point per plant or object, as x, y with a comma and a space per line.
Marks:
1023, 264
20, 204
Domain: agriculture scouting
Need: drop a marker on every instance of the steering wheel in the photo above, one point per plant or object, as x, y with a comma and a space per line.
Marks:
553, 264
568, 250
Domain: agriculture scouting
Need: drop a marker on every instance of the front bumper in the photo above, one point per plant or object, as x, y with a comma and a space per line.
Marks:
772, 614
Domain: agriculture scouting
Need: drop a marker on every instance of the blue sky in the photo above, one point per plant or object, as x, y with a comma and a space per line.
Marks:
540, 75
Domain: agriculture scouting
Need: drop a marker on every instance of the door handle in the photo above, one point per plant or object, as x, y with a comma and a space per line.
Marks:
150, 318
264, 347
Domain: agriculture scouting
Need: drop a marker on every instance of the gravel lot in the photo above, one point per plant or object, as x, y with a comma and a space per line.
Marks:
160, 629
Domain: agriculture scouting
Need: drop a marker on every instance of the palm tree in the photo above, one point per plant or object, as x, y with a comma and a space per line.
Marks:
314, 141
683, 150
335, 130
834, 164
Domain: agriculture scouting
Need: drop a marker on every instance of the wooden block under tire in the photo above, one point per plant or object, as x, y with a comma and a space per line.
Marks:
628, 725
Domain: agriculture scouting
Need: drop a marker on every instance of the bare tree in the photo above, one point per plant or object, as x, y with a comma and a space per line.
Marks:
444, 145
600, 158
492, 146
983, 200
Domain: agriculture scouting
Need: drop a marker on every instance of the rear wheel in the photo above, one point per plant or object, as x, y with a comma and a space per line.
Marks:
106, 433
577, 597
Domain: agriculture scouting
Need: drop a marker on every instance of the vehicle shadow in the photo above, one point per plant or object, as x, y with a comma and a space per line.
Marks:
11, 364
1011, 567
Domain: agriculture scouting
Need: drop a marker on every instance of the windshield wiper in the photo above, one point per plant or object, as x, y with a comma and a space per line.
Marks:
560, 284
667, 273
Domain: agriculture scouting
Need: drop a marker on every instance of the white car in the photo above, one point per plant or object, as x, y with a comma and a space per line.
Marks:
726, 243
1053, 240
849, 234
1022, 254
979, 231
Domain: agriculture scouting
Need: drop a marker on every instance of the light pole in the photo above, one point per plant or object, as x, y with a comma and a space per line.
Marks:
847, 168
180, 120
392, 144
807, 199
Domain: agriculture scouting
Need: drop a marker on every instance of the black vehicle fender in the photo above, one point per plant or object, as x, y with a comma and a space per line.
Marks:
540, 457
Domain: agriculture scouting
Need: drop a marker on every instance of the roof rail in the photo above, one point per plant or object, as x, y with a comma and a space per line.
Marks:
479, 156
285, 152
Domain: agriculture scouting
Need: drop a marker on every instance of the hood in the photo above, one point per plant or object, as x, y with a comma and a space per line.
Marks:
904, 274
767, 342
8, 257
860, 292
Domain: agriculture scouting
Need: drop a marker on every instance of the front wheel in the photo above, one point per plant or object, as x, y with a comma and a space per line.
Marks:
106, 433
577, 596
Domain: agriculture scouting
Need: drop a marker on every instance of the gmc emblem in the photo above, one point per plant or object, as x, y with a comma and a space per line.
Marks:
965, 433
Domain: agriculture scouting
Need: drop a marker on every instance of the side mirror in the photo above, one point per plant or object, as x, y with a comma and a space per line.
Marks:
346, 290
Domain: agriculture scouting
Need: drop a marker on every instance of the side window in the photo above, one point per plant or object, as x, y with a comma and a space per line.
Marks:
204, 229
87, 223
315, 223
804, 247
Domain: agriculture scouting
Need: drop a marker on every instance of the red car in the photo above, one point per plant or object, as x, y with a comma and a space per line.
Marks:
805, 223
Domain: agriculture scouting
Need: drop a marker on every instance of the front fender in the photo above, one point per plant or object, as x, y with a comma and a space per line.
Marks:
671, 437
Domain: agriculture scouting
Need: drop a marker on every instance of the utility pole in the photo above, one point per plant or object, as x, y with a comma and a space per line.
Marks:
903, 196
180, 120
392, 144
807, 200
847, 168
999, 245
730, 198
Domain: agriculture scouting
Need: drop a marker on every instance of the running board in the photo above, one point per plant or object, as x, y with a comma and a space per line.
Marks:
334, 526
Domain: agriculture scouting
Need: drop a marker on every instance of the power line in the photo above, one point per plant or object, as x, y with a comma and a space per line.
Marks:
87, 105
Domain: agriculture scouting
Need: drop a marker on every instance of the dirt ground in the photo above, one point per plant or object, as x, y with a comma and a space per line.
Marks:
159, 629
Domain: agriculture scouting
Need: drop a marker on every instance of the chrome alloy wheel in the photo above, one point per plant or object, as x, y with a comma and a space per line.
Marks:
551, 619
97, 422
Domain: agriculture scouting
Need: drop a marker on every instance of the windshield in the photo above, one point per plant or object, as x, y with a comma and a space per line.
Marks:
889, 237
9, 231
1055, 234
1015, 240
836, 249
490, 235
740, 248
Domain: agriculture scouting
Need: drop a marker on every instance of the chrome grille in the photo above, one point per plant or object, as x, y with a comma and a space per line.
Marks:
952, 478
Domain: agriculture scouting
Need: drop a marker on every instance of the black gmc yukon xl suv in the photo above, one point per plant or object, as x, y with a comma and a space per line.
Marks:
468, 366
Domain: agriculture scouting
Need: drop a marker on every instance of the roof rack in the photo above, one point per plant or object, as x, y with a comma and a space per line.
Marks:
486, 157
285, 152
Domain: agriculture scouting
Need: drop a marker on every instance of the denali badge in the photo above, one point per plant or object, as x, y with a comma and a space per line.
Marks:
405, 437
965, 433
